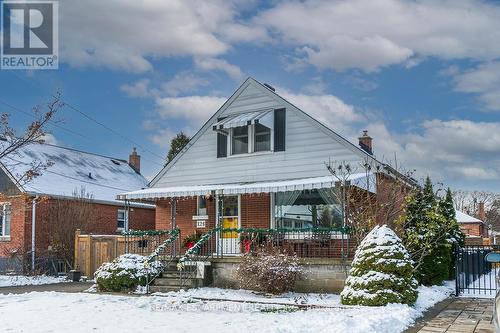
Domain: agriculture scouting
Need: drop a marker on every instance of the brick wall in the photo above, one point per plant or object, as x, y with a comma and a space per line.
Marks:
472, 229
105, 222
17, 226
255, 212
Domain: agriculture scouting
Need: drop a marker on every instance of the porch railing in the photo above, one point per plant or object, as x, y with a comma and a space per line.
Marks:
144, 242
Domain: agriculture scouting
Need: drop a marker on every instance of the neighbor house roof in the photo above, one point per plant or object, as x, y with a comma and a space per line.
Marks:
71, 170
464, 218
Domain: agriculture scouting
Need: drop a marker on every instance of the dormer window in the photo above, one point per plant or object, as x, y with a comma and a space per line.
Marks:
239, 140
262, 138
251, 132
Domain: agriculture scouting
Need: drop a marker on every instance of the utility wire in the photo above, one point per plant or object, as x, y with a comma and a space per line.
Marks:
112, 130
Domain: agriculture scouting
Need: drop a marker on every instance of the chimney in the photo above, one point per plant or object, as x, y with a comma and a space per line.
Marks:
134, 160
365, 142
481, 214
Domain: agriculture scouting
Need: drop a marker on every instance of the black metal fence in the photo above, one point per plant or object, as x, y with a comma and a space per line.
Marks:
145, 242
475, 276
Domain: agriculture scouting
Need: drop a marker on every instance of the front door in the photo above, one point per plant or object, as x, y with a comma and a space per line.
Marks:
230, 220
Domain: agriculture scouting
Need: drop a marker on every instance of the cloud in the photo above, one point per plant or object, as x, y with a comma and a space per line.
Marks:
183, 82
210, 64
372, 34
195, 109
137, 89
484, 80
126, 35
163, 137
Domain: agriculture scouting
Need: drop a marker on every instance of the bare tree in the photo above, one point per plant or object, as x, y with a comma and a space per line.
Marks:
468, 202
35, 131
362, 209
63, 217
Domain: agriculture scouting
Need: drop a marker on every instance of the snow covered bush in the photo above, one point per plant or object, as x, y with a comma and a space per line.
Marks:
381, 273
268, 270
125, 273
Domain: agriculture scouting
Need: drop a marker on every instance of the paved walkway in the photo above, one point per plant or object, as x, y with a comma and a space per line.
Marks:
462, 315
66, 287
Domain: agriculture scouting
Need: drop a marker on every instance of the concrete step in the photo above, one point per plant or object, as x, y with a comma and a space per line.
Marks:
163, 289
188, 283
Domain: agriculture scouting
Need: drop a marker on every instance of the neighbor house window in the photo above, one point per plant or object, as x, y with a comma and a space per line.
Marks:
5, 220
262, 139
122, 219
201, 206
239, 140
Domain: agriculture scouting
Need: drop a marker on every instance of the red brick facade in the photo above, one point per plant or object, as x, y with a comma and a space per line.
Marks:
255, 213
105, 223
473, 229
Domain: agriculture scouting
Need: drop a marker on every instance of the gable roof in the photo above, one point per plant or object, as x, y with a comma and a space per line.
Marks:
319, 125
465, 218
71, 170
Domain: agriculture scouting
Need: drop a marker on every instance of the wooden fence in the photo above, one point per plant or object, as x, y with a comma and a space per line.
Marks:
91, 251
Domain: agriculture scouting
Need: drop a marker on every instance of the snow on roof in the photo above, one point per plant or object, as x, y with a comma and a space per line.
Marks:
464, 218
71, 170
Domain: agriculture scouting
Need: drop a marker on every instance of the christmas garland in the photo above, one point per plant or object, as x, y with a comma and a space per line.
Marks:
147, 232
174, 234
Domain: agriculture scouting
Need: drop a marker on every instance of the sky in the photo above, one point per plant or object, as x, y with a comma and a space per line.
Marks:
423, 77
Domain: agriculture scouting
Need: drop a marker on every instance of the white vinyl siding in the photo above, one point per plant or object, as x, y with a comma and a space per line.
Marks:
308, 147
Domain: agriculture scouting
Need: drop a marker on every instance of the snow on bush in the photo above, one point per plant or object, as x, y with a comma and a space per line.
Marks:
125, 273
268, 270
381, 272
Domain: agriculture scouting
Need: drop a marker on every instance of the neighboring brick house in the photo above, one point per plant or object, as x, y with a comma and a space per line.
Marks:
68, 172
259, 162
473, 228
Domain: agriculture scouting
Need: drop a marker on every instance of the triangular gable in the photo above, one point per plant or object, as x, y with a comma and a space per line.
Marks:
237, 104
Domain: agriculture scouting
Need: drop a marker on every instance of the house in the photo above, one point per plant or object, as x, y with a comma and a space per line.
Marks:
67, 177
261, 162
475, 230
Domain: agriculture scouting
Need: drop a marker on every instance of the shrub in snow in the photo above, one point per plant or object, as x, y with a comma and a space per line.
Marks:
381, 272
268, 270
125, 273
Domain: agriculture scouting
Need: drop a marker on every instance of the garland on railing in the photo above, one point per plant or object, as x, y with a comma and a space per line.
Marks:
146, 232
174, 234
204, 238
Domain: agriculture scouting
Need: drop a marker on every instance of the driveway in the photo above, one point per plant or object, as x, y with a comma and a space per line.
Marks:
67, 287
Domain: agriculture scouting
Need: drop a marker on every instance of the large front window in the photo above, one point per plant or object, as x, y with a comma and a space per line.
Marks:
307, 209
5, 215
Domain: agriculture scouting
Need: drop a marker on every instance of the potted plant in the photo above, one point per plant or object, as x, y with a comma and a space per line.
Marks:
190, 240
246, 243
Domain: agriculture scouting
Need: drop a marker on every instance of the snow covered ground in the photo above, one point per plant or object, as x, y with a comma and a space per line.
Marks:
21, 280
183, 312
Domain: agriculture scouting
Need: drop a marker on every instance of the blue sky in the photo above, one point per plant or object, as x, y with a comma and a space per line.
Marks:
422, 77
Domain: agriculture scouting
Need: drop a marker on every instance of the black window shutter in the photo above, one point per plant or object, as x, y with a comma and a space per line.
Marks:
279, 129
221, 143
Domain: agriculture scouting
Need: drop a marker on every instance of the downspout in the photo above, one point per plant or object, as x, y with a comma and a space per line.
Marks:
33, 230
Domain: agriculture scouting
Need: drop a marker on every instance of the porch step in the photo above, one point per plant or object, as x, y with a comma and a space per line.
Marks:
187, 283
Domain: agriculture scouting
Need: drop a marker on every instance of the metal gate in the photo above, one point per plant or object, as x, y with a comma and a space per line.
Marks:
475, 276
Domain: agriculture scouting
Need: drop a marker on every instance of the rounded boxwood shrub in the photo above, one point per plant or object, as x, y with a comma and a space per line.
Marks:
125, 273
381, 273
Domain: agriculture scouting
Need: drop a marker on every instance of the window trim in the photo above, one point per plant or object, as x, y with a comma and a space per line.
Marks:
3, 222
251, 143
125, 220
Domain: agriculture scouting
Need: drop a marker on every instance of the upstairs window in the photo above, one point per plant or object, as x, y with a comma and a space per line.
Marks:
239, 140
262, 138
5, 220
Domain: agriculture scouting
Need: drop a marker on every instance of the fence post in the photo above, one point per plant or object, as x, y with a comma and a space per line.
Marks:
75, 263
457, 277
88, 256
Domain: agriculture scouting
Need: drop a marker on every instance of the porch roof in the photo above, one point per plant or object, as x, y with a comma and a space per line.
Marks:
241, 119
361, 180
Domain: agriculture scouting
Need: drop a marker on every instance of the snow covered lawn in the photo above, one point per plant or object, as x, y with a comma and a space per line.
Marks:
182, 312
21, 280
